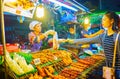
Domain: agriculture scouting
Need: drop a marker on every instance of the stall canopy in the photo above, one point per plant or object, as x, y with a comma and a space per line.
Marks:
27, 7
70, 4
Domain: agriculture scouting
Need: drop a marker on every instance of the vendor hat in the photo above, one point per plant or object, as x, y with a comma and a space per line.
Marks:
33, 23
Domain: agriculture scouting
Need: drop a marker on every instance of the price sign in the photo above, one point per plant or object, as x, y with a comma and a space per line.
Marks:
37, 61
55, 58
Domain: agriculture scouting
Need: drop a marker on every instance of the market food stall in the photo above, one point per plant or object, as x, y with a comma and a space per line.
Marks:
53, 64
49, 63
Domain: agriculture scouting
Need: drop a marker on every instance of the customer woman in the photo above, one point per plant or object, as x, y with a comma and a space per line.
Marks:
110, 22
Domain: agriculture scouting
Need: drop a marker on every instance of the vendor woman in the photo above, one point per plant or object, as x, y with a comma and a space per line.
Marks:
36, 36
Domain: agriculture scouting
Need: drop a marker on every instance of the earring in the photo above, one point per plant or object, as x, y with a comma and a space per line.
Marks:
116, 27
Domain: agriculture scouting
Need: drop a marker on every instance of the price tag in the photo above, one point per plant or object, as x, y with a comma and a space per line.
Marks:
55, 58
37, 61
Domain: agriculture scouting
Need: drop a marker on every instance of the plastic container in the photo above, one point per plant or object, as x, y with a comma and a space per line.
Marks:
10, 48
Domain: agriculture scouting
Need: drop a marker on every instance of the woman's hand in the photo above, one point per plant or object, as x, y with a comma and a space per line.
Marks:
70, 40
52, 32
61, 40
65, 40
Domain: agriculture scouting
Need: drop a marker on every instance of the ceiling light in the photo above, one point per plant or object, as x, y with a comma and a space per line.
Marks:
64, 5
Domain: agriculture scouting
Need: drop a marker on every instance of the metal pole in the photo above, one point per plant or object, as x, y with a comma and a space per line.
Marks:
75, 31
3, 35
100, 2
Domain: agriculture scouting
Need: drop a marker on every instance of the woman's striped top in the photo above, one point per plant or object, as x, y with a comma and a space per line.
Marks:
109, 51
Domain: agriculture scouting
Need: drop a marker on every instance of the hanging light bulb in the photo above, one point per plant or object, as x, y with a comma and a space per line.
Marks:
86, 20
40, 11
87, 24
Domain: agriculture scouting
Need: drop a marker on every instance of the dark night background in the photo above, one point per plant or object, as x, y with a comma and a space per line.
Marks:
113, 5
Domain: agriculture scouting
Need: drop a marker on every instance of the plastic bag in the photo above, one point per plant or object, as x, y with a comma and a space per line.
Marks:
55, 41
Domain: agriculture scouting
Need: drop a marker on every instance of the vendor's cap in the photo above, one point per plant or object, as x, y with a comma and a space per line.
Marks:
33, 23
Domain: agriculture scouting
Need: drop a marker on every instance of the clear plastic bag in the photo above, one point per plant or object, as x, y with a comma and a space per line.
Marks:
55, 41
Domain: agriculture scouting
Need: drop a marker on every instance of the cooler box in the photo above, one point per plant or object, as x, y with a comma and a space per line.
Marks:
10, 48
